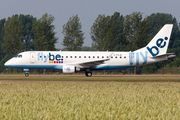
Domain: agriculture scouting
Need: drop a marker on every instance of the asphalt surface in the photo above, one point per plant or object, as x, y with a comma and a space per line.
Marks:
92, 76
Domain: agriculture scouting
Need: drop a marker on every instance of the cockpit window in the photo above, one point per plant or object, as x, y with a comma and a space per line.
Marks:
18, 56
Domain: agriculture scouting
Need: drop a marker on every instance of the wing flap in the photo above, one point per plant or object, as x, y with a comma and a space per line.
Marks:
93, 63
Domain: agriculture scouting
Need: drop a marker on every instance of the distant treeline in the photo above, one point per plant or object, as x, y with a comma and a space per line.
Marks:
113, 33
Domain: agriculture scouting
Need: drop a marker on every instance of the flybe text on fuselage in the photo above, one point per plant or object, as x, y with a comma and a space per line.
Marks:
138, 55
52, 58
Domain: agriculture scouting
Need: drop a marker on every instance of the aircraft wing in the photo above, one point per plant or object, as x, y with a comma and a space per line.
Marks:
91, 64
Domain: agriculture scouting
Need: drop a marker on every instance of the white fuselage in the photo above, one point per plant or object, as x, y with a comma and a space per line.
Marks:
58, 59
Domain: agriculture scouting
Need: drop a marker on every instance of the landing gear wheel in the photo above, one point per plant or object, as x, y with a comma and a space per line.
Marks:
88, 74
26, 74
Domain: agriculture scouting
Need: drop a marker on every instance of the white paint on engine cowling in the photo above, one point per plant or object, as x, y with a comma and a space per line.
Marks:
68, 69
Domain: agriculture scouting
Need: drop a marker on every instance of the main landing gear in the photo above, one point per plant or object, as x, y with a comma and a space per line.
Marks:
88, 73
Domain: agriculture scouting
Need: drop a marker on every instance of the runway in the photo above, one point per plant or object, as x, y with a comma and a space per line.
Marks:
60, 76
94, 79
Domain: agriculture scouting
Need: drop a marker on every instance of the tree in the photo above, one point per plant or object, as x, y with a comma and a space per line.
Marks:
2, 25
86, 48
12, 37
73, 35
107, 32
99, 33
135, 30
115, 33
27, 36
44, 35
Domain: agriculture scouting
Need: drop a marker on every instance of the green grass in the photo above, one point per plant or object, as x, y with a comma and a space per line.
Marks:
89, 100
95, 79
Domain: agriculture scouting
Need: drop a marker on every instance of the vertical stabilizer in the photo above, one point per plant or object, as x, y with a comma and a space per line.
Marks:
159, 44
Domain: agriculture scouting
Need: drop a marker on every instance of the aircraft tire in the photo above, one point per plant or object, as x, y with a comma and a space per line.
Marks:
88, 74
26, 74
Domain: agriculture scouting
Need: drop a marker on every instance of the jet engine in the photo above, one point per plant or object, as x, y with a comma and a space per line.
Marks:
70, 69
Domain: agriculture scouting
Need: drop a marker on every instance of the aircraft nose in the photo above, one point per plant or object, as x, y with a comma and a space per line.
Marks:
8, 63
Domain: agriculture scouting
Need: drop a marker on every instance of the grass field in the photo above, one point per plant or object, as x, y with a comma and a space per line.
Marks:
95, 98
100, 78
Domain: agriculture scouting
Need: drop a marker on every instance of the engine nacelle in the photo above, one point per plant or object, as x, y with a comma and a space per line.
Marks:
68, 69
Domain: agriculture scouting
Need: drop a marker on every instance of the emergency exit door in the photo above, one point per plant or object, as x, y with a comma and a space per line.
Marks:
32, 57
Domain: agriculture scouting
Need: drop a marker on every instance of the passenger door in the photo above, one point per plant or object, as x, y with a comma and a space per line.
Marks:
32, 57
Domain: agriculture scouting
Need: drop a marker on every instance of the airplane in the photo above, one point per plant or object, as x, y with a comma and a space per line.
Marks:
75, 61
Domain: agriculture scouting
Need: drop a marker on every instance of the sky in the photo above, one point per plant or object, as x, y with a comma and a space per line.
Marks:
87, 11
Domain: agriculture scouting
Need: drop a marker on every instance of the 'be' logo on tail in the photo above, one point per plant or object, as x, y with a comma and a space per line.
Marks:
161, 43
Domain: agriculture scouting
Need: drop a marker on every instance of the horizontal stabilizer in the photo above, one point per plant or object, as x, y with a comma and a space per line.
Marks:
168, 55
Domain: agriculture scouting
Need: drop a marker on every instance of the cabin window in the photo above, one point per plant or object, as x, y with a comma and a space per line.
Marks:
66, 56
93, 56
116, 57
74, 56
44, 56
89, 56
97, 56
107, 57
70, 56
111, 56
62, 56
79, 56
124, 56
84, 56
102, 56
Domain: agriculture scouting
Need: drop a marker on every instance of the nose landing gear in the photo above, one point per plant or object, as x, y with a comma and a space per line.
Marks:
26, 72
